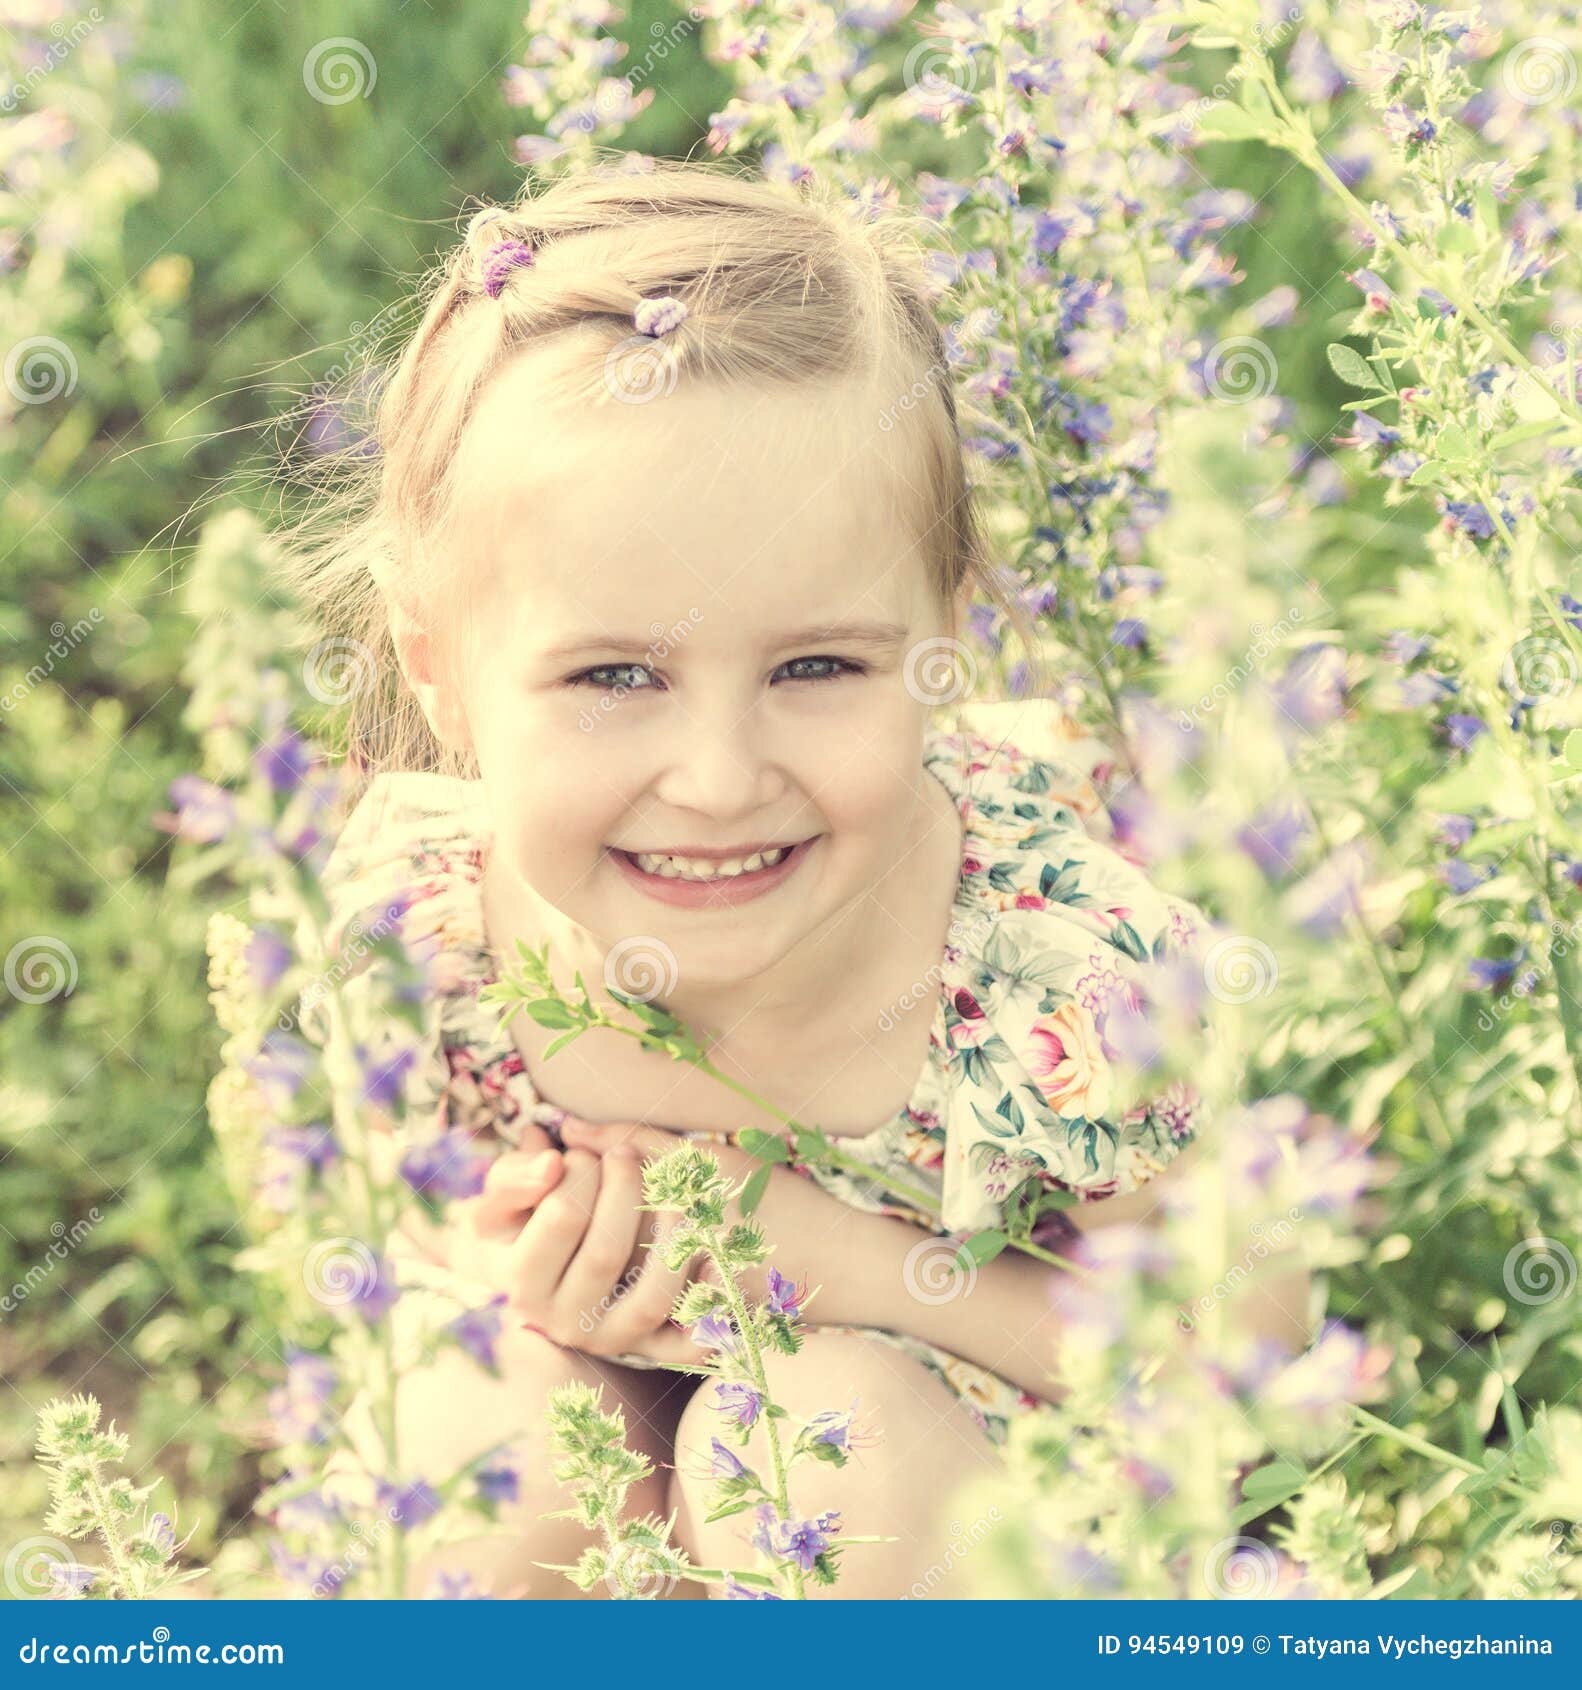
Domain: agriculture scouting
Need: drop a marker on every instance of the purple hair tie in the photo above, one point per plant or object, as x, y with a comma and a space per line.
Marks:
658, 316
500, 260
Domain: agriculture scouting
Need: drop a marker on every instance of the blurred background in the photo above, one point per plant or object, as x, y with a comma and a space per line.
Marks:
203, 239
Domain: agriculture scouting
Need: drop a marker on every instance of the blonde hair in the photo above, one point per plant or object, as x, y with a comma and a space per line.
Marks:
780, 285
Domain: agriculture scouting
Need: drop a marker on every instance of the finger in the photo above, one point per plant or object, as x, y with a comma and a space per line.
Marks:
669, 1343
513, 1186
645, 1307
593, 1283
646, 1140
550, 1237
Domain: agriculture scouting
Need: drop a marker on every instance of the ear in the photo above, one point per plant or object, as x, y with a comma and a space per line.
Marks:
417, 651
959, 606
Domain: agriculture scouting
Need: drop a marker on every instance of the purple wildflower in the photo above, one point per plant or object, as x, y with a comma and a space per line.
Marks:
448, 1166
785, 1298
741, 1402
478, 1331
739, 1592
1312, 691
831, 1426
205, 813
281, 1066
1470, 517
1463, 729
374, 1293
455, 1587
409, 1505
69, 1579
498, 1482
1271, 837
383, 1073
727, 1465
715, 1331
802, 1541
284, 762
1454, 830
268, 957
295, 1405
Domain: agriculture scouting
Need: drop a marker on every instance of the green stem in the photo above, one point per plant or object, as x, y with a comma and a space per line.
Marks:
755, 1363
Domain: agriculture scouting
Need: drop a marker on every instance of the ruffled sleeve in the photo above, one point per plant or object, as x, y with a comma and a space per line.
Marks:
412, 853
1058, 944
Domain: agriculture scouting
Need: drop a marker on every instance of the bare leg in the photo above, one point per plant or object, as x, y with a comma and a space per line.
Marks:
900, 1486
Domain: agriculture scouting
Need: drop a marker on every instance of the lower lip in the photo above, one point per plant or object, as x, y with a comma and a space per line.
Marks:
698, 894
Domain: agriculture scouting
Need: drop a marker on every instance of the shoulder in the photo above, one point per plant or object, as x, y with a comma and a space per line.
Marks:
1061, 948
410, 837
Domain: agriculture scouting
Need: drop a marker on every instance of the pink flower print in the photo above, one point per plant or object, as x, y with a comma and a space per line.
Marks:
1030, 901
1065, 1058
1176, 1108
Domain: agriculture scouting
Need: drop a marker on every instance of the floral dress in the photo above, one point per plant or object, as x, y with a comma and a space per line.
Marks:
1051, 926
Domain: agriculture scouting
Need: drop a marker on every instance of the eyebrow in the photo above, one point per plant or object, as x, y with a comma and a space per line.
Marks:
875, 635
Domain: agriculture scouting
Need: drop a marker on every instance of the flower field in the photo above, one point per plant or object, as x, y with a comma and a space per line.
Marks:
1264, 324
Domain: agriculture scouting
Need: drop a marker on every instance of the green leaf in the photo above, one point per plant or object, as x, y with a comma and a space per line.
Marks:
1267, 1487
981, 1247
753, 1189
1452, 443
1571, 750
768, 1147
549, 1012
1226, 122
1429, 474
1524, 431
560, 1043
1352, 367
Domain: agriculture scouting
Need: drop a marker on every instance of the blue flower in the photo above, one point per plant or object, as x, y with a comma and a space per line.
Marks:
497, 1483
1463, 729
382, 1074
454, 1587
409, 1505
284, 762
205, 813
448, 1166
741, 1402
478, 1330
727, 1465
715, 1331
738, 1592
280, 1068
785, 1298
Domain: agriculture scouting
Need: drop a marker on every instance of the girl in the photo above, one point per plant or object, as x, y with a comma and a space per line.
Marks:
663, 543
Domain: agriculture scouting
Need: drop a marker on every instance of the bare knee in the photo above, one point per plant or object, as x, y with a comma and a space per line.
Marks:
921, 1442
451, 1412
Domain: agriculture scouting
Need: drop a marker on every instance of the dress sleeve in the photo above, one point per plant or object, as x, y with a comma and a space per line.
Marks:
1067, 943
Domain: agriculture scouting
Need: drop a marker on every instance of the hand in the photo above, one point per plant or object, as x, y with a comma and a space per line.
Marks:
815, 1237
575, 1269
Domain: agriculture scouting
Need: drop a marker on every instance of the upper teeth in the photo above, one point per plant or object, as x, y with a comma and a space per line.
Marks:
693, 868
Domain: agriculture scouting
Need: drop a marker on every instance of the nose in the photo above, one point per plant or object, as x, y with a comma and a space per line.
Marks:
718, 769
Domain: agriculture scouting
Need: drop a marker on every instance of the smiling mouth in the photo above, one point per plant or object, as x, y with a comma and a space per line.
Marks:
664, 865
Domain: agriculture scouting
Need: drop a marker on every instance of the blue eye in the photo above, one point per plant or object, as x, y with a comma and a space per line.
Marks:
591, 677
842, 667
587, 675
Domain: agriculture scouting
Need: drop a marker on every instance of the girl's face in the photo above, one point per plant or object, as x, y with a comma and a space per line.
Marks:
701, 630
